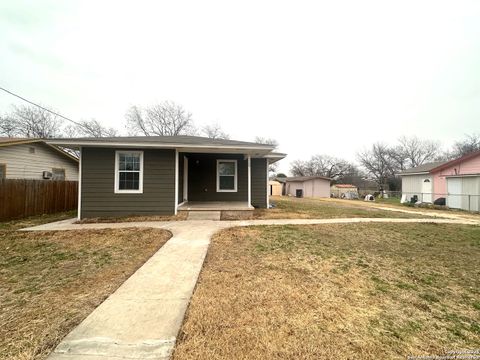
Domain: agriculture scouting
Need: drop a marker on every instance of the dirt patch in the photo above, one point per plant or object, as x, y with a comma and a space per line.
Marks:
50, 281
182, 215
336, 292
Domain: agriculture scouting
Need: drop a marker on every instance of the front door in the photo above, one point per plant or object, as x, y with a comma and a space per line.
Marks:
427, 191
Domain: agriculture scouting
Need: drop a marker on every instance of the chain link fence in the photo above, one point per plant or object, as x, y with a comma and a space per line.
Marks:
469, 202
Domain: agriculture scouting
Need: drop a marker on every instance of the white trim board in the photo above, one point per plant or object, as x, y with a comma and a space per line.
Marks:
176, 182
185, 178
116, 189
235, 184
79, 210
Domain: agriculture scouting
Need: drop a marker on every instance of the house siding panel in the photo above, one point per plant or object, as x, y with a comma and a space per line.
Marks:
292, 187
21, 164
259, 182
412, 185
98, 174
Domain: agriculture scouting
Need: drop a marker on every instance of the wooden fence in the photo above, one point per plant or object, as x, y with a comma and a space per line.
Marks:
22, 198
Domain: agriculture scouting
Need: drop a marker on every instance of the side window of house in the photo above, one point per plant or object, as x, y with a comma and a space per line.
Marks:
226, 175
129, 172
3, 171
58, 174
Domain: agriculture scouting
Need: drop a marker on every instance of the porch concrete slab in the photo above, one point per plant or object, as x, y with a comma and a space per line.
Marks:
204, 215
215, 206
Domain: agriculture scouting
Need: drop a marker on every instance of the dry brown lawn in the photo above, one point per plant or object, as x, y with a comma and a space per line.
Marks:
182, 215
50, 281
358, 291
309, 208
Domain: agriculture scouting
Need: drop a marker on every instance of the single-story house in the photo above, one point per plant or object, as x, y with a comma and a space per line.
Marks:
150, 175
344, 191
275, 188
34, 159
308, 186
457, 181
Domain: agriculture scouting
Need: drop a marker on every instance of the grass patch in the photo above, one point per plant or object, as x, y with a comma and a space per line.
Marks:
36, 220
308, 208
182, 215
356, 291
50, 281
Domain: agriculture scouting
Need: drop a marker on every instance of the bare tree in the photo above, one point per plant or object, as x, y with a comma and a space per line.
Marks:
214, 131
266, 141
90, 128
300, 168
30, 121
412, 152
469, 144
322, 165
164, 119
378, 163
7, 126
272, 168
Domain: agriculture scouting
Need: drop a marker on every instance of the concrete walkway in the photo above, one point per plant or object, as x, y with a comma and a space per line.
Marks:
142, 318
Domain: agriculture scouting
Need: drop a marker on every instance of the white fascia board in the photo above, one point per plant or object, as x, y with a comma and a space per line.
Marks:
462, 175
180, 147
417, 173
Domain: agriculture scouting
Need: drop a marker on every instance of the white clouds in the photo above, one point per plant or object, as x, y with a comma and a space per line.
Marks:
317, 76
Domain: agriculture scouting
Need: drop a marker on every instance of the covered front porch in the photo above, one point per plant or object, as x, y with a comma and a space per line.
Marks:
221, 182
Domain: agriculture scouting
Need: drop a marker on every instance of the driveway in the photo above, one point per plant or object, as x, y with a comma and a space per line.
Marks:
142, 318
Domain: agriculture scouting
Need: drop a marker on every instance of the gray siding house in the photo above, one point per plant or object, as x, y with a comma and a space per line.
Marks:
160, 175
29, 158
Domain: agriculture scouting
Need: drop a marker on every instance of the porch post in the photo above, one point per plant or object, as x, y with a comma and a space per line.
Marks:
185, 178
176, 181
266, 175
79, 211
249, 160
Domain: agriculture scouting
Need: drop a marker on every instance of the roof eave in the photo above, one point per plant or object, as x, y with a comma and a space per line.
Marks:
261, 149
413, 173
41, 141
455, 161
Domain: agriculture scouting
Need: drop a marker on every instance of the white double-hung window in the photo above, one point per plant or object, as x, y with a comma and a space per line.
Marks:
226, 175
128, 172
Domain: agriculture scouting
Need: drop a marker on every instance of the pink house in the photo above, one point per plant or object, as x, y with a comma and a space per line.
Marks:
456, 181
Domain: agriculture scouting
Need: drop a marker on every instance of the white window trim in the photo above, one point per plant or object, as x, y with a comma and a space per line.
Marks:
117, 178
235, 181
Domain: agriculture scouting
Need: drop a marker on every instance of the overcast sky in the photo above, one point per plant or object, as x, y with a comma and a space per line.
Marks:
319, 76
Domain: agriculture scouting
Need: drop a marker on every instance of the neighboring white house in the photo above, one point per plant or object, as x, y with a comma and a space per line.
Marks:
36, 160
455, 183
308, 186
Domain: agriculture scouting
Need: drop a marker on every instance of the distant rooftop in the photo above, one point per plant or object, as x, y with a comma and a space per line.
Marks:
305, 178
425, 168
345, 186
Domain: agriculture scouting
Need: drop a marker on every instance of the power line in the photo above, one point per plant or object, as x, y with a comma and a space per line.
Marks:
41, 107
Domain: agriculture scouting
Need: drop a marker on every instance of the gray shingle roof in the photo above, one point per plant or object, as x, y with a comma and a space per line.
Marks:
422, 168
180, 139
305, 178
